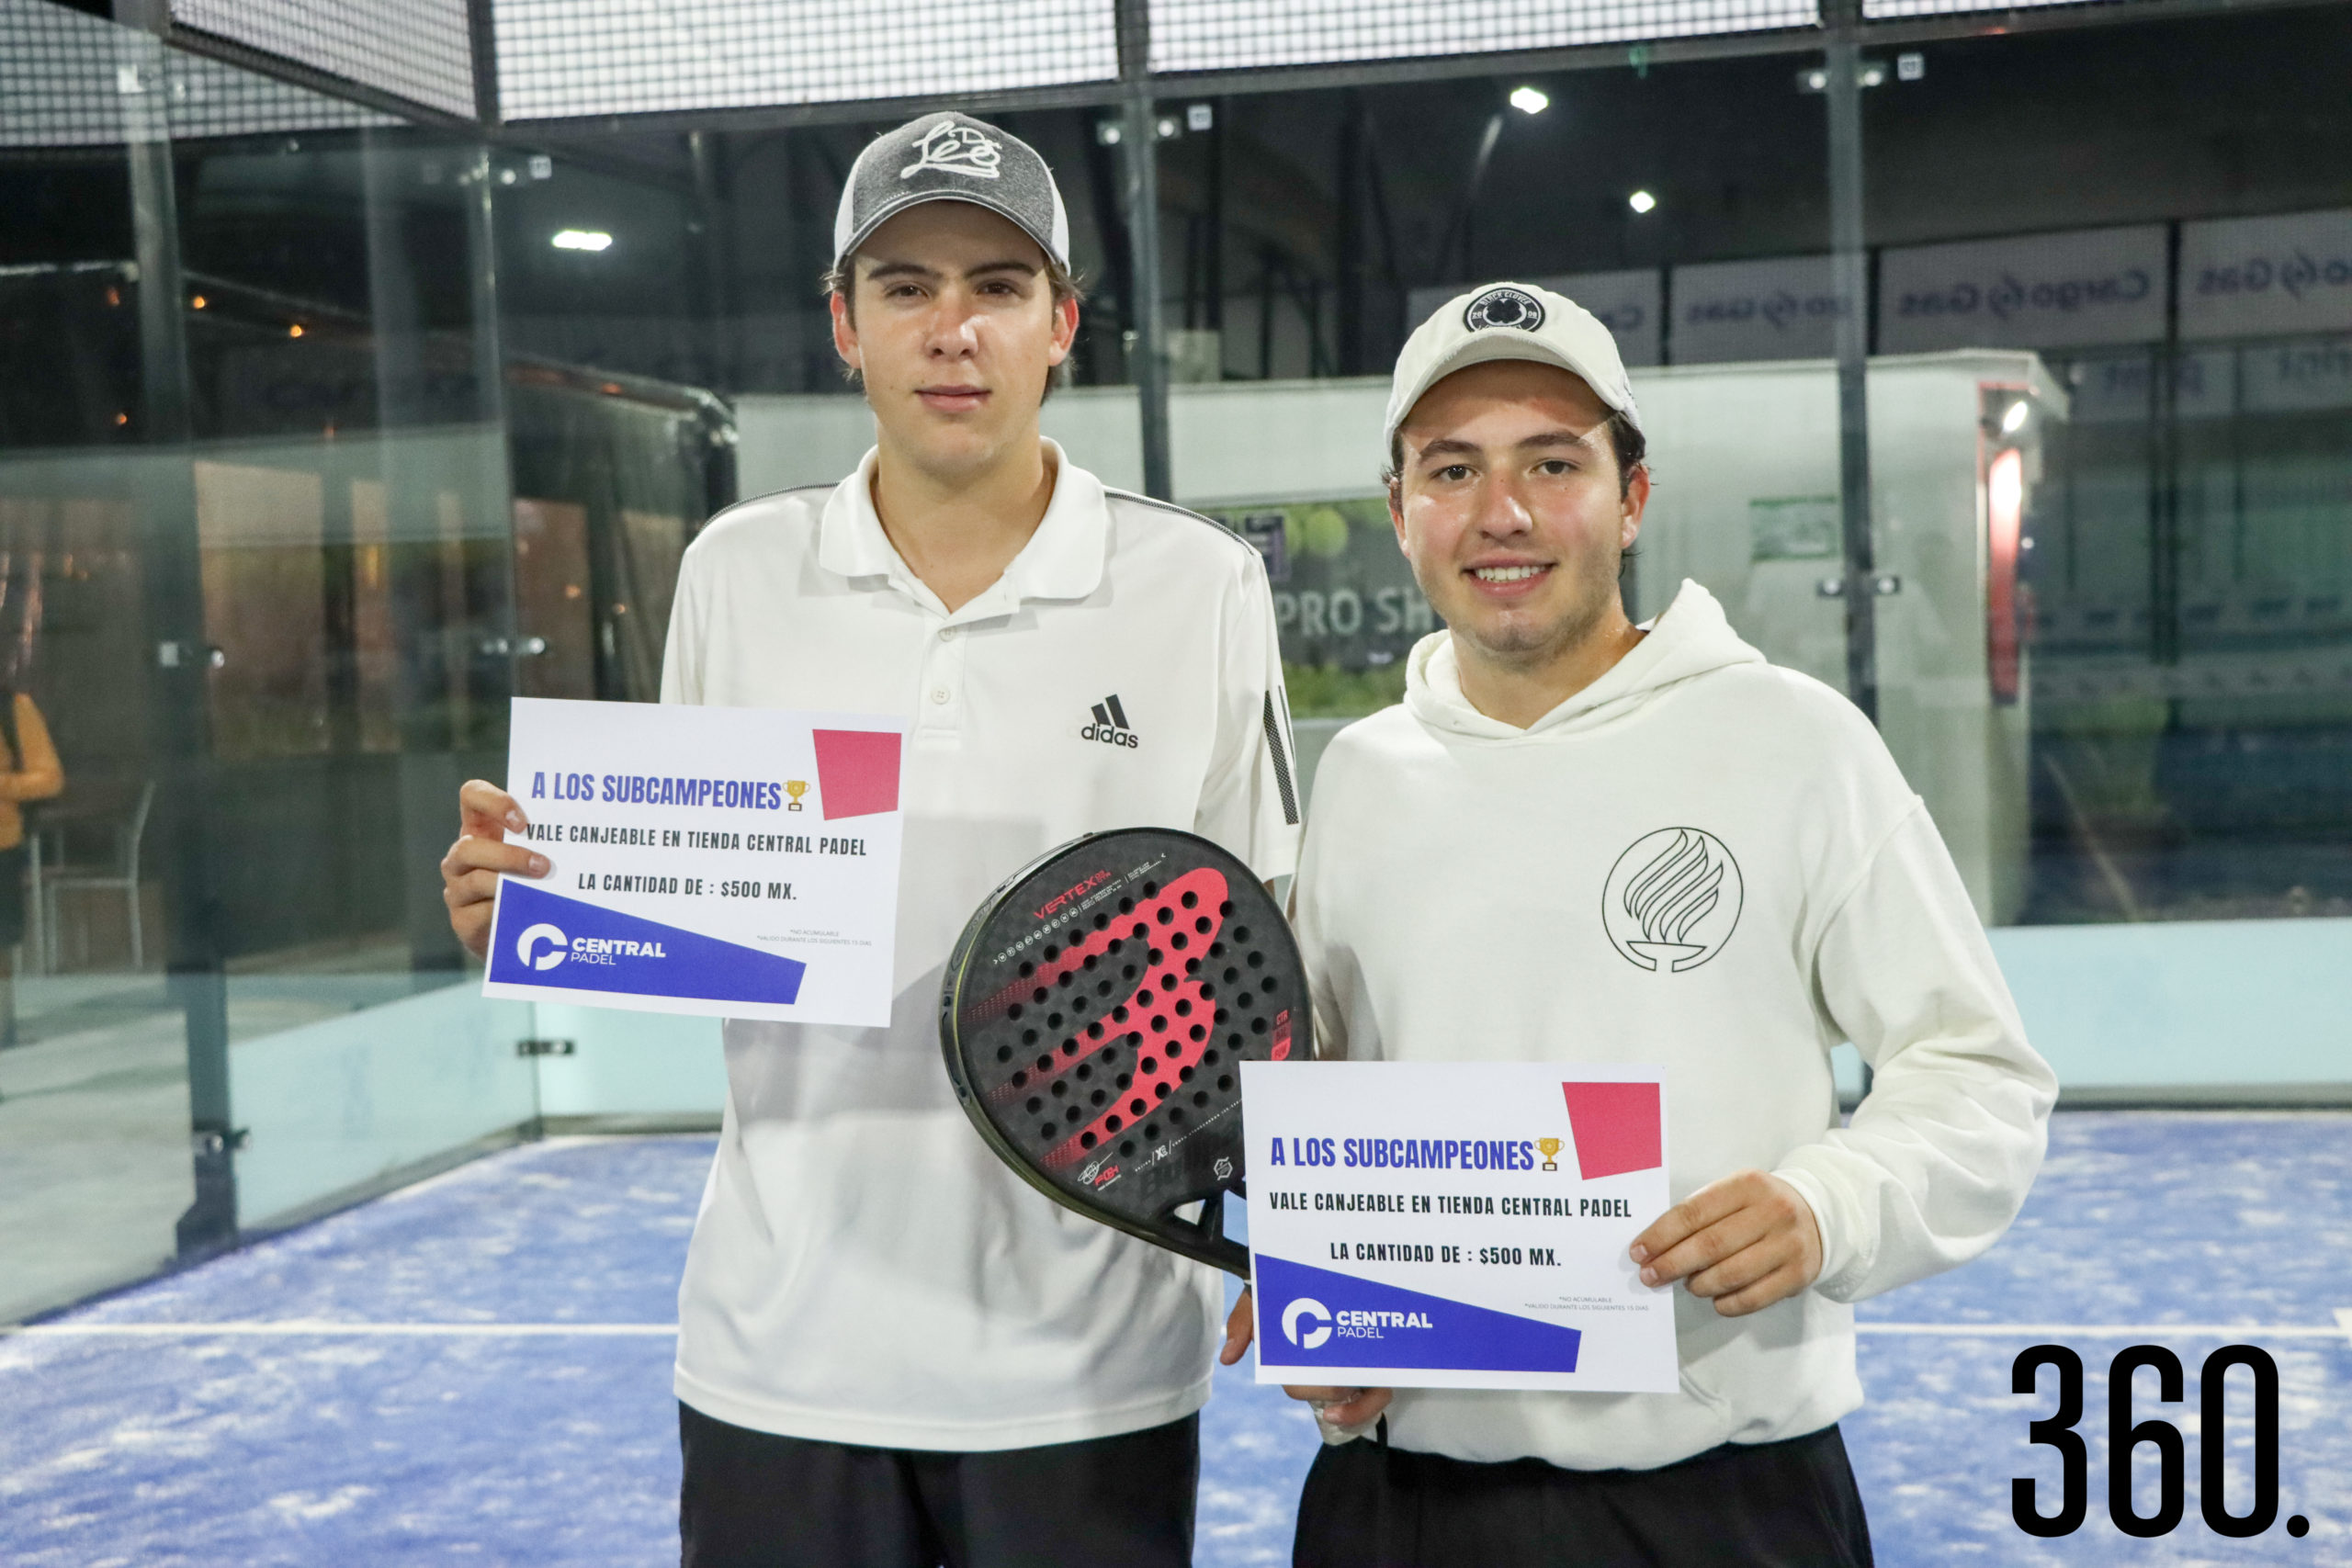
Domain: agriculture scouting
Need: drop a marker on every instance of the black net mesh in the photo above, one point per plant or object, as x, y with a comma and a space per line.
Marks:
1228, 35
417, 49
1896, 10
70, 80
580, 57
57, 77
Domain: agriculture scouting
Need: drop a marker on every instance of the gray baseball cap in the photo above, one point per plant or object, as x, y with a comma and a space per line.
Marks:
951, 157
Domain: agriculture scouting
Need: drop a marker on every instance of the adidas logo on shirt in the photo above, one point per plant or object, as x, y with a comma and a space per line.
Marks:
1110, 726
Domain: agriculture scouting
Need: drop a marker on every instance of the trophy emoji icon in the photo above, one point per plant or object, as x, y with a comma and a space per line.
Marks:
1550, 1146
794, 788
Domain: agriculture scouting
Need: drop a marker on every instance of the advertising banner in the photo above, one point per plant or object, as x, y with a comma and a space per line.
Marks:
2266, 277
1726, 312
2090, 286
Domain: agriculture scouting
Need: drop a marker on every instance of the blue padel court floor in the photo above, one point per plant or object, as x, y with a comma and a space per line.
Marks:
476, 1369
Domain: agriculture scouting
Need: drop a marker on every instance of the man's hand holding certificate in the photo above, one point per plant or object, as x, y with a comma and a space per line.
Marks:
725, 861
1457, 1225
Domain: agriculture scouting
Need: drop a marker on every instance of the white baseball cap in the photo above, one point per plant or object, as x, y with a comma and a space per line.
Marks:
1508, 321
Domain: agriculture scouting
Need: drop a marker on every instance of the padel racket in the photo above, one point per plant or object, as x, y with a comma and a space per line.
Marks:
1095, 1018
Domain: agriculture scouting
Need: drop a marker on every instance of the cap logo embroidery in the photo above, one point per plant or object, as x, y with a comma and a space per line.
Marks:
956, 150
1505, 308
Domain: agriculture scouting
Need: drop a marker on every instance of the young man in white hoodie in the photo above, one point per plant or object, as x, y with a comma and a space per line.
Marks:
893, 1352
1475, 886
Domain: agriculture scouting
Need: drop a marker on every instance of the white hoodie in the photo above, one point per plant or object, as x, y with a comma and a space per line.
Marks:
1471, 891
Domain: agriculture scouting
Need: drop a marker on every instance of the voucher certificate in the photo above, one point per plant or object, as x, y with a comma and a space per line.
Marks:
1425, 1224
742, 863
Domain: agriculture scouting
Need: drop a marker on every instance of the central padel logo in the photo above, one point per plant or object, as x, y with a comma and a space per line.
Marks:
557, 944
1110, 726
1302, 1308
956, 150
1672, 899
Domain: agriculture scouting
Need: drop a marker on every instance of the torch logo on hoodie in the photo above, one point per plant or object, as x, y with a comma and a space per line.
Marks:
1672, 899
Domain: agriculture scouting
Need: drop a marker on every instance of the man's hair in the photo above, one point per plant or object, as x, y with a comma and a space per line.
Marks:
1626, 443
842, 279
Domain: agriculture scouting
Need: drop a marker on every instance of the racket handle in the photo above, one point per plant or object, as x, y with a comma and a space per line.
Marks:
1207, 1242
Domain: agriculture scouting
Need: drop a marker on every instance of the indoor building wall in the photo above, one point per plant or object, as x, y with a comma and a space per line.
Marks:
316, 446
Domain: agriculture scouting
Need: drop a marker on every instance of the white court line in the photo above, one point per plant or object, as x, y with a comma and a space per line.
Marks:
300, 1327
2342, 1330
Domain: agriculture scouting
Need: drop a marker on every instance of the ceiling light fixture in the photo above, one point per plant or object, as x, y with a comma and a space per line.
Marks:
1641, 201
581, 239
1529, 100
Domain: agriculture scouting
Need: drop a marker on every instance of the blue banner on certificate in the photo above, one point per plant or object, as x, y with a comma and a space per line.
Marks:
742, 863
1423, 1224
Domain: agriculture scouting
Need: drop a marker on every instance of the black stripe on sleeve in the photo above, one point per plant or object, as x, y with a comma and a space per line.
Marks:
1281, 764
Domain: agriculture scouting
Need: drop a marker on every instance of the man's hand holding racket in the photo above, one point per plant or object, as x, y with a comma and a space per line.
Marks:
486, 814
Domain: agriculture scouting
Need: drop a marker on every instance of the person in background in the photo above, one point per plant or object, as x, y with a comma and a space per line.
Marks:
34, 774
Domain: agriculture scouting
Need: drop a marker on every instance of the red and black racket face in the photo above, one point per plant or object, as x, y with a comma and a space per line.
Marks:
1095, 1015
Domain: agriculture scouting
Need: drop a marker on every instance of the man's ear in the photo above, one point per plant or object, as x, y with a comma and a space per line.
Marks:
845, 334
1637, 499
1065, 329
1396, 516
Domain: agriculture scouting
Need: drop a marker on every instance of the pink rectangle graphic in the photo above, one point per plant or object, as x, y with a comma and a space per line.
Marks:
1616, 1127
857, 771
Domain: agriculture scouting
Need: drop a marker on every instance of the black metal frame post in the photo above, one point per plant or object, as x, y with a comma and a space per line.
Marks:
1140, 163
481, 36
179, 741
2165, 475
1849, 263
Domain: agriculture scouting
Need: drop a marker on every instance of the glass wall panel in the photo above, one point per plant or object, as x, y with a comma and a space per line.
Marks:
2170, 485
357, 562
2188, 507
95, 1113
323, 434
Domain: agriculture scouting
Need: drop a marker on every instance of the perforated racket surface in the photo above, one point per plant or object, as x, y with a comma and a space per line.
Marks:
1095, 1017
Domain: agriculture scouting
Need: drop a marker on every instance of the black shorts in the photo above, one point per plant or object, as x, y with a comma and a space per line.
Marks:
756, 1500
1740, 1506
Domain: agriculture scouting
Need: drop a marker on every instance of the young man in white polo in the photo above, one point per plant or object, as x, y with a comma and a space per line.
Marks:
892, 1351
1583, 840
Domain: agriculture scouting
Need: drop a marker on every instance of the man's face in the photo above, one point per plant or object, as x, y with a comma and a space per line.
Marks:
1511, 510
955, 331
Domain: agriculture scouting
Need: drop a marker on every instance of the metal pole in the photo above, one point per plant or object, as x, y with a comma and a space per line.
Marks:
1139, 160
1850, 288
178, 692
714, 241
1351, 269
2164, 466
1213, 271
482, 32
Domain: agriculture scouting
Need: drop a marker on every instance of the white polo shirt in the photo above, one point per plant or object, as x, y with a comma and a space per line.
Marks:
864, 1270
